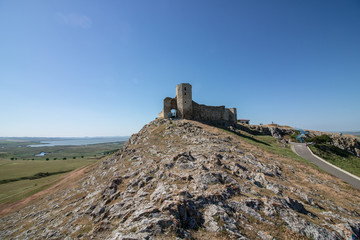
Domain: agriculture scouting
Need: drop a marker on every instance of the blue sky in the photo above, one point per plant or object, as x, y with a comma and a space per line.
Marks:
103, 68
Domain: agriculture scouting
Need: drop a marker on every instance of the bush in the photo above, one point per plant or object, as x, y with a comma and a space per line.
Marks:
322, 139
47, 159
333, 150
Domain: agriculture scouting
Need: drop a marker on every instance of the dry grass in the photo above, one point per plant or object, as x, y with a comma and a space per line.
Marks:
328, 187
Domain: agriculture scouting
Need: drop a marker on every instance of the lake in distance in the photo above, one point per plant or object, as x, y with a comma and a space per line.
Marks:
79, 141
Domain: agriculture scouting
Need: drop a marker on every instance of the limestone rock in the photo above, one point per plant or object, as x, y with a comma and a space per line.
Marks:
181, 180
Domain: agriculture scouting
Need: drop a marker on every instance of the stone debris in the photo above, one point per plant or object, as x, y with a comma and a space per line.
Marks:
179, 179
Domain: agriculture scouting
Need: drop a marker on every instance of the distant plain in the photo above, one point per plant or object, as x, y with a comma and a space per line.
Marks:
23, 174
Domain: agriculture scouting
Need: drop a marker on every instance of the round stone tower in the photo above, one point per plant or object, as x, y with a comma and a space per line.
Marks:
184, 101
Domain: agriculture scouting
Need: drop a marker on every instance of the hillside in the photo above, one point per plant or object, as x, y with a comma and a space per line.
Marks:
349, 143
189, 180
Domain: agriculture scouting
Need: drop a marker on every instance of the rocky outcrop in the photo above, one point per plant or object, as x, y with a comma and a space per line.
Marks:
272, 130
182, 179
348, 143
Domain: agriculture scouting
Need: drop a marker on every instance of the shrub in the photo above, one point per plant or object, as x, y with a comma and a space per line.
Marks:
333, 150
322, 139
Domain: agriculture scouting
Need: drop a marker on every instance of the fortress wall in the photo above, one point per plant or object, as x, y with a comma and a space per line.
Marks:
167, 107
161, 114
233, 114
208, 113
230, 115
188, 109
169, 103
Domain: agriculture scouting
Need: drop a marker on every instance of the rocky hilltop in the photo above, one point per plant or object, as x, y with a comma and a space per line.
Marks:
182, 179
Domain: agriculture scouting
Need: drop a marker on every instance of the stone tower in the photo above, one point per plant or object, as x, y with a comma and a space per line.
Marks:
184, 101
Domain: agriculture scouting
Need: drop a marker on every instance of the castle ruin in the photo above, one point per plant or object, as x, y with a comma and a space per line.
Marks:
183, 107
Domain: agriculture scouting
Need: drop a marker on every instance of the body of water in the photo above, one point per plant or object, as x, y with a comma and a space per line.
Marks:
78, 141
40, 154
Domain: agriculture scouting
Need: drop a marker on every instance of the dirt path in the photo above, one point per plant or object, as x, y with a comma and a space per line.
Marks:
65, 180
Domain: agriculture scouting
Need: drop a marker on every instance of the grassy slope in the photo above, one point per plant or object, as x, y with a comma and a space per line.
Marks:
338, 157
10, 169
23, 168
272, 145
13, 191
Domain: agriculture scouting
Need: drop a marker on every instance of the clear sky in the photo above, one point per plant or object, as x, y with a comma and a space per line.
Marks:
103, 68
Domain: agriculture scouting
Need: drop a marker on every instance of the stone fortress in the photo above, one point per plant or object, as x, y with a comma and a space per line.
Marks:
183, 107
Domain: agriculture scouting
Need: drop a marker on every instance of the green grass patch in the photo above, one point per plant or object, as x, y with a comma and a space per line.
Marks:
58, 158
14, 191
270, 144
35, 176
25, 168
22, 174
22, 178
338, 157
4, 155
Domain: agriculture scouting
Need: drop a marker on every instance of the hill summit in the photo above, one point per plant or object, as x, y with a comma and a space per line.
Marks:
184, 179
